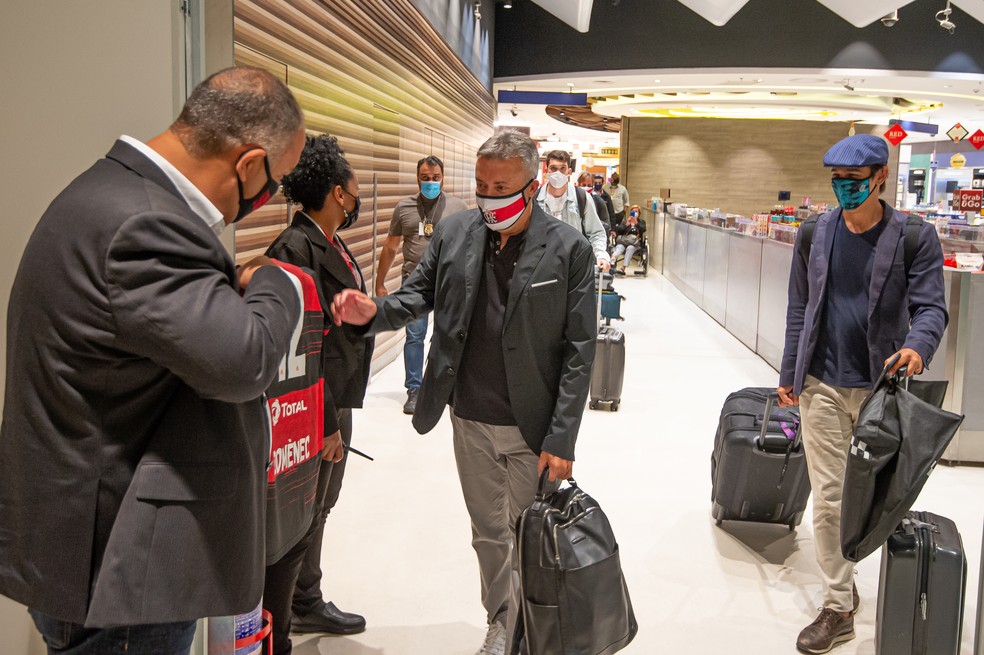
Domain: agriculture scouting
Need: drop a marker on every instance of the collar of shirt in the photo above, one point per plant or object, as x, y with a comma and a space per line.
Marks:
313, 222
199, 204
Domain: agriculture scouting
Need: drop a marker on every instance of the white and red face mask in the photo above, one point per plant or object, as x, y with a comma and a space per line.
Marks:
501, 212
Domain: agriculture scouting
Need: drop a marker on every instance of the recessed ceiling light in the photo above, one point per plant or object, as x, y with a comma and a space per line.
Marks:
947, 86
656, 81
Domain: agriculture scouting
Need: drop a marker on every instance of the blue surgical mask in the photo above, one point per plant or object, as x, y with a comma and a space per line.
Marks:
851, 193
430, 190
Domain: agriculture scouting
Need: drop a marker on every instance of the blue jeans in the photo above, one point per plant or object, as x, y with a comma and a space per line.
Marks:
413, 352
66, 638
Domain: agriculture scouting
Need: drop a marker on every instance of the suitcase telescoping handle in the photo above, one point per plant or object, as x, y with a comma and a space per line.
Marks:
601, 278
793, 443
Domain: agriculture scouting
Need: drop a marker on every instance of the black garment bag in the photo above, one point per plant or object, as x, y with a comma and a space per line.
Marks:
573, 598
899, 436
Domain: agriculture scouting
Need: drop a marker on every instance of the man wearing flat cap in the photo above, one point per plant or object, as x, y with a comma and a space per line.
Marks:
866, 283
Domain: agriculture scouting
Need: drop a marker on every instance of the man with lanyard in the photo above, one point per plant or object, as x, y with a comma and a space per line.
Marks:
855, 301
558, 198
413, 222
620, 199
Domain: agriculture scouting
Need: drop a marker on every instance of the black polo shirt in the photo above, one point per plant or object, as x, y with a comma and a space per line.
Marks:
480, 391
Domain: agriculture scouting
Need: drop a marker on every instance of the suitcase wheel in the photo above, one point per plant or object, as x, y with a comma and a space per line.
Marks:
593, 404
614, 405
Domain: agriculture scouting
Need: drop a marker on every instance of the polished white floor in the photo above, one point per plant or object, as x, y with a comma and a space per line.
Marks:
398, 544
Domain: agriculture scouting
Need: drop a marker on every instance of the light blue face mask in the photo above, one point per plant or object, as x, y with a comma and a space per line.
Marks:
430, 190
850, 193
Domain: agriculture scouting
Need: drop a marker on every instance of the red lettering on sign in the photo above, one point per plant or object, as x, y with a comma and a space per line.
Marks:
895, 135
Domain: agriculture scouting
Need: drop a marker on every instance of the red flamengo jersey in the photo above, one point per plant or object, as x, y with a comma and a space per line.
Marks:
297, 421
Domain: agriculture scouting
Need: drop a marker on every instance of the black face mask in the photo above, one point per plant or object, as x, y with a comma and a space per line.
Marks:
249, 205
350, 216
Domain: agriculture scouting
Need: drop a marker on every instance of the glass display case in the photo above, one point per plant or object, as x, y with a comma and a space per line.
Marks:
783, 232
960, 237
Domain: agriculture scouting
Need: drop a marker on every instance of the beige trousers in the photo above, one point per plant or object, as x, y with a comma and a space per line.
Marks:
498, 478
828, 414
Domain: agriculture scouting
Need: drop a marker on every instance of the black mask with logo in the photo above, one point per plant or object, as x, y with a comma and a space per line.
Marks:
249, 205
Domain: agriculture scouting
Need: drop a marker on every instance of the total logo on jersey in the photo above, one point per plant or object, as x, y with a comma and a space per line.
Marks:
286, 409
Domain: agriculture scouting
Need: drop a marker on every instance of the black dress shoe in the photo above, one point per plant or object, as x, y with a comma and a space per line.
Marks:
411, 405
328, 619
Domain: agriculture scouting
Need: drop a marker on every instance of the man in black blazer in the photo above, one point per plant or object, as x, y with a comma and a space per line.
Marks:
135, 441
514, 337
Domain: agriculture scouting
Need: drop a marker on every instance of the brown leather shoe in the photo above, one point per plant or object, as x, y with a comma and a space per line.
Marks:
827, 631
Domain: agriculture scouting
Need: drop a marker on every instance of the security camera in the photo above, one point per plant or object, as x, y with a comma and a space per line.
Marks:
943, 18
889, 20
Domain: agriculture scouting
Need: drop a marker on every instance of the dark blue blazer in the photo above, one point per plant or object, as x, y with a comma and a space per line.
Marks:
901, 313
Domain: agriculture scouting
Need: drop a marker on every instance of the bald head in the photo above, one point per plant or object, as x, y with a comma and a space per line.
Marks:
235, 107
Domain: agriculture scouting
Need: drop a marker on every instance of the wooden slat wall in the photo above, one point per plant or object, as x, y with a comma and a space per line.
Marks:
375, 74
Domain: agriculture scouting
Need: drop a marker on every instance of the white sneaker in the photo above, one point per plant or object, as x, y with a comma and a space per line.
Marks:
495, 641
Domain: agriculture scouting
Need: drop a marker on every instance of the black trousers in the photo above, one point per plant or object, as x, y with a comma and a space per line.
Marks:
308, 596
278, 590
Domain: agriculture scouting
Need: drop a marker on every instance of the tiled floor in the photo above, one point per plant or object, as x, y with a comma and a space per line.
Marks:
398, 544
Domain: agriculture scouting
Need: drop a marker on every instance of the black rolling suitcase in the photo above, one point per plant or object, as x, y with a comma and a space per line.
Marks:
758, 469
921, 588
608, 369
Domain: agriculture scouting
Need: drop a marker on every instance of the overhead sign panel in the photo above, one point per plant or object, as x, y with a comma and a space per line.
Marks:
912, 126
543, 98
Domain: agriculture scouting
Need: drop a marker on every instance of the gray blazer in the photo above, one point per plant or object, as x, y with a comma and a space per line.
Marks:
902, 313
134, 442
549, 329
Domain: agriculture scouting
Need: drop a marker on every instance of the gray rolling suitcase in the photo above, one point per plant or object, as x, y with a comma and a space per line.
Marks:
921, 588
608, 370
758, 471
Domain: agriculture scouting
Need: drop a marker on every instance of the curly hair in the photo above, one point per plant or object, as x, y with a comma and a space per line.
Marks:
322, 167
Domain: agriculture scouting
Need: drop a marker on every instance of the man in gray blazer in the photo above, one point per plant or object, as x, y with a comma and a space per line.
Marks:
135, 441
857, 297
514, 335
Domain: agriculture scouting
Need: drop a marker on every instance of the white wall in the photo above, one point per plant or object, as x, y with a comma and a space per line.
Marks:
73, 77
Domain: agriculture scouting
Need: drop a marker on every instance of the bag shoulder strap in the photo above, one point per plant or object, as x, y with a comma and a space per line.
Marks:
913, 225
807, 228
582, 200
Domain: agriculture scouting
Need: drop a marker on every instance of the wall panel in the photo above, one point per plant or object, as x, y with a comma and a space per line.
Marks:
736, 165
378, 76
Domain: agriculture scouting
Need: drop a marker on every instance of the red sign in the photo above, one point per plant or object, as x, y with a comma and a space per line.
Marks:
977, 139
967, 200
896, 134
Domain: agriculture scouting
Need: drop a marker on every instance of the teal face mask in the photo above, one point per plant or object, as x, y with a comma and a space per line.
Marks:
851, 194
430, 190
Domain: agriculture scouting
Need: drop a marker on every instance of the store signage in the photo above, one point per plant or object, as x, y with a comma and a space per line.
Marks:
913, 126
896, 134
967, 200
609, 152
977, 139
957, 133
957, 161
543, 98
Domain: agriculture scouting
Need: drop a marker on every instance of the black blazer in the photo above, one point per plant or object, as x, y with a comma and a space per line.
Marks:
346, 353
134, 443
548, 333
